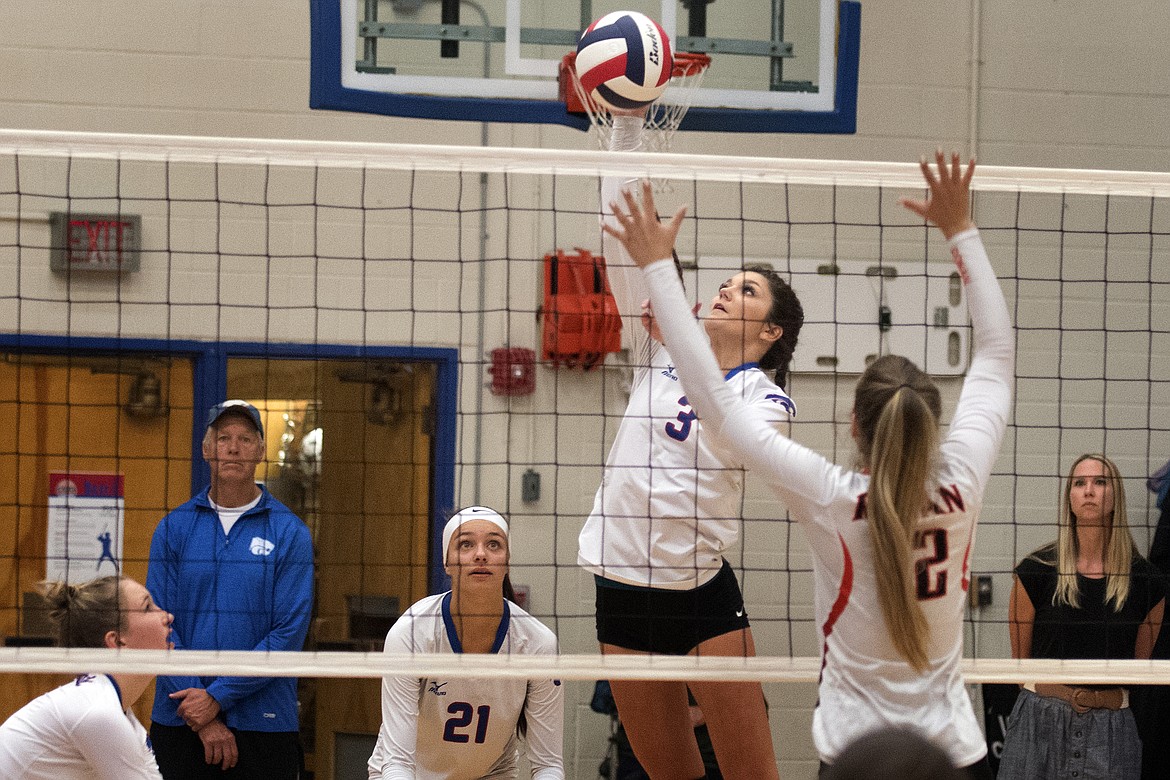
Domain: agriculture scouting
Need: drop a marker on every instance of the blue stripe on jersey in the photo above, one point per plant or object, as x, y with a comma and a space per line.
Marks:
740, 369
453, 635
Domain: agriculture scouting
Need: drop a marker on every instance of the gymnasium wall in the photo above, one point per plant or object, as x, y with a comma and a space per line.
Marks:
1070, 84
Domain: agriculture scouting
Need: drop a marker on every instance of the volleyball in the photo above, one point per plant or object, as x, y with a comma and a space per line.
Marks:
624, 60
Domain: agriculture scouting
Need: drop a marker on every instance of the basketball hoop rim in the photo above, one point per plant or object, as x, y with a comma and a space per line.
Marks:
686, 63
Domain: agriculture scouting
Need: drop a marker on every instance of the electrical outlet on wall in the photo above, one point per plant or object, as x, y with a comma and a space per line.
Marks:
980, 593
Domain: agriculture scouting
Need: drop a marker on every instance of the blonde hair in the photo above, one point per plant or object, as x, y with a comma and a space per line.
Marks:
1119, 547
85, 613
897, 408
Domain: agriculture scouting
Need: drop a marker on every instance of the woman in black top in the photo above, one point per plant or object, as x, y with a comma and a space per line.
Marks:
1087, 595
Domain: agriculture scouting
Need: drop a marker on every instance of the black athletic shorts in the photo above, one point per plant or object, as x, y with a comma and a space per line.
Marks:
668, 622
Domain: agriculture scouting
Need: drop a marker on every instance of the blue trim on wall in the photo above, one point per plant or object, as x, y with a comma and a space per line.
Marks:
326, 91
210, 387
443, 451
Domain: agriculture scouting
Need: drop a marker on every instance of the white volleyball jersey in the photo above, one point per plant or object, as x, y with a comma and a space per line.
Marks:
460, 728
865, 683
76, 732
670, 499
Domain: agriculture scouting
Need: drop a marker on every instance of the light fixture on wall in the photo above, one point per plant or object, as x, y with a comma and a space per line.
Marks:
389, 384
385, 404
146, 399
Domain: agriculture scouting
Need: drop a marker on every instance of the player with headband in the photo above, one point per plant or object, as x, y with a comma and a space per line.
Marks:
891, 543
669, 507
85, 728
465, 728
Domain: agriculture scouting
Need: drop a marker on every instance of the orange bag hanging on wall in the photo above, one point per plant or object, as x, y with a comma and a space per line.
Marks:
581, 320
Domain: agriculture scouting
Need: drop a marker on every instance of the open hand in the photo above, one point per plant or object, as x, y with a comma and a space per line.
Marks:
644, 237
949, 204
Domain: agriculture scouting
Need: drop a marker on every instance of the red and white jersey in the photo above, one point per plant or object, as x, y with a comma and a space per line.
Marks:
865, 683
76, 732
465, 728
670, 499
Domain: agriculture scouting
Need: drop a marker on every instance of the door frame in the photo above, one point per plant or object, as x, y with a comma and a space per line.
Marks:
209, 372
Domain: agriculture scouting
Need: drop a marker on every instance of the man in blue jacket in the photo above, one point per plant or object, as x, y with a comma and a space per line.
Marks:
235, 567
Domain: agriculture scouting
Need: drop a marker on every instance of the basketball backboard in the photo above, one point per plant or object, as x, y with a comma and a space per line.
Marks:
777, 66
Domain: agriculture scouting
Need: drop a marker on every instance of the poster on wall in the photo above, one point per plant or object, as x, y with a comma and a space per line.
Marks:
85, 525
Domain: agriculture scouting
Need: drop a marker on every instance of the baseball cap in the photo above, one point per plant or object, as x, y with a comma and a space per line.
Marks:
466, 516
243, 407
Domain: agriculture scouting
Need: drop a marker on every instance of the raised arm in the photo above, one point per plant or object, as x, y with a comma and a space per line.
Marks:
798, 474
795, 472
625, 279
981, 415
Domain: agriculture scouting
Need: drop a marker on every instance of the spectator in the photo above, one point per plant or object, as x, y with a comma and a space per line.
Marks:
1087, 595
235, 566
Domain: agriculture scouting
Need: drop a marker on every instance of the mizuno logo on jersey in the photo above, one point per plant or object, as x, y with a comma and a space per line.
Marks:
261, 546
669, 373
436, 689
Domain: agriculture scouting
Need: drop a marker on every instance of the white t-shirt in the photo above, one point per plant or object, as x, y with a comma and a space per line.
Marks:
228, 515
670, 499
76, 732
865, 683
465, 729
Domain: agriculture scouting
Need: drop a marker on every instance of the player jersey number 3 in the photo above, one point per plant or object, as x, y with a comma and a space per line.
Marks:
680, 430
465, 719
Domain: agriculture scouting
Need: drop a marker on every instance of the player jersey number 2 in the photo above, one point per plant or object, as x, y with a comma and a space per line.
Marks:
682, 429
931, 578
462, 717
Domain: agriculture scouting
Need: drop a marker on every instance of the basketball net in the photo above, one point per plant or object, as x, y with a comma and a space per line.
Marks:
662, 119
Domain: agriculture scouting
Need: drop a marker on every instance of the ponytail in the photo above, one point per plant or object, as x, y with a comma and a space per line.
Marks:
897, 408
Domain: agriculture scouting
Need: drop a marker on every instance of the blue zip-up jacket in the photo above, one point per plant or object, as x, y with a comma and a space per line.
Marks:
251, 589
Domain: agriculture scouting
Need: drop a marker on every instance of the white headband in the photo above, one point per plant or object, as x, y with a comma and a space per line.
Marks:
466, 516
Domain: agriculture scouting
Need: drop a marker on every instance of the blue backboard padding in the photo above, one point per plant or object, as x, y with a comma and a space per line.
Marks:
326, 91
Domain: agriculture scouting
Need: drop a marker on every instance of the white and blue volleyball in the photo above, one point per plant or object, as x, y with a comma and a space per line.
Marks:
624, 60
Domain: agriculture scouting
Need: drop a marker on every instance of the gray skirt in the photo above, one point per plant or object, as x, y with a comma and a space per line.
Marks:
1047, 738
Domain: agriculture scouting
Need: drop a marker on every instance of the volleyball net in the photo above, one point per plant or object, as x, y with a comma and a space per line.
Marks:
423, 329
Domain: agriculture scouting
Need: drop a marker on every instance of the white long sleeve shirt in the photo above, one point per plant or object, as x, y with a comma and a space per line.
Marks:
865, 683
76, 732
465, 728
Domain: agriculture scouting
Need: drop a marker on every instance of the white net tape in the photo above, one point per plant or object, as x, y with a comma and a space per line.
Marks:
567, 667
564, 162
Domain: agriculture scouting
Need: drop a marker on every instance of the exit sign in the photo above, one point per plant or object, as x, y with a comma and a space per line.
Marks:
94, 242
